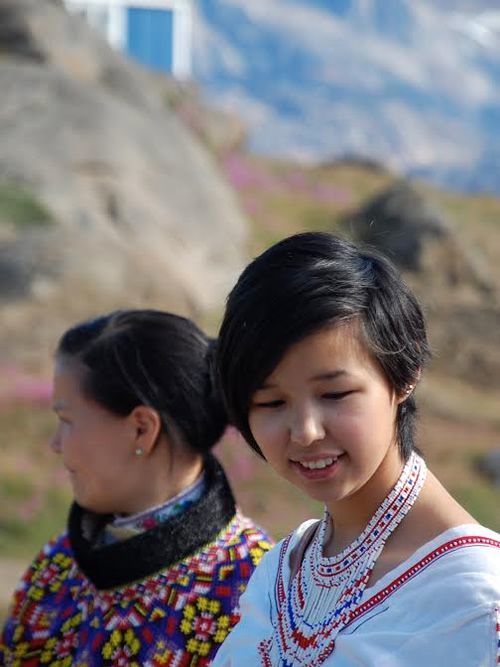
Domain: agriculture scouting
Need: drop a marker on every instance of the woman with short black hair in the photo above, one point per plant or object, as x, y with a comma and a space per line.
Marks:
320, 350
156, 553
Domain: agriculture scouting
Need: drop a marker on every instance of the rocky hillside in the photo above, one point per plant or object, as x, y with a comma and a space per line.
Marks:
106, 199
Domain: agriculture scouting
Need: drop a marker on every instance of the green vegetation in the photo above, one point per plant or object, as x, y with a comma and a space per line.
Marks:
482, 501
34, 494
20, 208
24, 532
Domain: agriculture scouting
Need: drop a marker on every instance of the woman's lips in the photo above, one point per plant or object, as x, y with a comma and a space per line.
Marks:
318, 468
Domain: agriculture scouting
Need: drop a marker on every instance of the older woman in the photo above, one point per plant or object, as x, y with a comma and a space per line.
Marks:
156, 553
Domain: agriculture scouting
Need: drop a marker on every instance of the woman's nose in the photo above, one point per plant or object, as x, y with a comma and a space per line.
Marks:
307, 427
55, 442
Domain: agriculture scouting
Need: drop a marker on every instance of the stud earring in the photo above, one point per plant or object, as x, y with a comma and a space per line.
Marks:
139, 451
409, 389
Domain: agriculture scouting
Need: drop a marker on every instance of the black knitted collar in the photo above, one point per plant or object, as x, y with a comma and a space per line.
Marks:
133, 559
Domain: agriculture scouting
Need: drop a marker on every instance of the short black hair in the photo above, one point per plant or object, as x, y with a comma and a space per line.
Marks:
152, 358
308, 282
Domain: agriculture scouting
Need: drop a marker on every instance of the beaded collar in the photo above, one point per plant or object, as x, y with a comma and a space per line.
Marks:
326, 590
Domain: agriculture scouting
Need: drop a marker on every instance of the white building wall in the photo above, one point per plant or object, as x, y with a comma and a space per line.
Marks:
182, 47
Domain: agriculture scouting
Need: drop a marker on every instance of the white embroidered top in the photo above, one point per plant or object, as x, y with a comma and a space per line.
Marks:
439, 607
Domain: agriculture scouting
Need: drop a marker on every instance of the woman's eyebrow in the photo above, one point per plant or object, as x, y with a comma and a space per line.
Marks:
330, 375
266, 385
326, 375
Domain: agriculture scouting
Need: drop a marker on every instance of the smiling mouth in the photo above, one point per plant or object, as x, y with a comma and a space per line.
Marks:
319, 464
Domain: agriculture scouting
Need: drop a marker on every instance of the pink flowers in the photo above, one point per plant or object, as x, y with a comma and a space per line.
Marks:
244, 174
272, 192
17, 386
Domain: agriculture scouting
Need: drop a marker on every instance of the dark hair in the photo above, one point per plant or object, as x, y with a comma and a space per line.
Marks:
305, 283
148, 357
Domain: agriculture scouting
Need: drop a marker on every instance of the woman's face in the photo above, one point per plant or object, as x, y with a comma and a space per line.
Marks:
95, 445
325, 417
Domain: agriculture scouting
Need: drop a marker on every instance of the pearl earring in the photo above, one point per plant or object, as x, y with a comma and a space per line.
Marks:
139, 451
409, 389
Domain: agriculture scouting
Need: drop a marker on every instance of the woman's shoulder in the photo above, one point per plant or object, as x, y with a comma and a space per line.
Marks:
55, 554
246, 531
44, 576
463, 558
251, 530
472, 548
439, 529
478, 541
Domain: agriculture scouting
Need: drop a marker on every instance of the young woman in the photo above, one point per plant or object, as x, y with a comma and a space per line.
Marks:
156, 553
320, 350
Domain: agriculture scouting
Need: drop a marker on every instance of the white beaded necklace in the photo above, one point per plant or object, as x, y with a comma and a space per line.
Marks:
326, 590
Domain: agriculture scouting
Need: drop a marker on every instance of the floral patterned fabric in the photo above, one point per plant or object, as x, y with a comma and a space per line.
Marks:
176, 618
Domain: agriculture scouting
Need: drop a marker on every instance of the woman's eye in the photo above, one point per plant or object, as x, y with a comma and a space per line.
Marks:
337, 395
269, 404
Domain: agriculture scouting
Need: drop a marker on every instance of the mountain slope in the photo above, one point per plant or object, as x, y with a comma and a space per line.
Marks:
414, 85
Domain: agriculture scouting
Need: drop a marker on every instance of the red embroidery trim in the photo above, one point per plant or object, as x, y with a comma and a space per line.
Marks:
447, 547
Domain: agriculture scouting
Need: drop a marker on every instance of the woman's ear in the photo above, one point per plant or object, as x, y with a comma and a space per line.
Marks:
410, 387
146, 425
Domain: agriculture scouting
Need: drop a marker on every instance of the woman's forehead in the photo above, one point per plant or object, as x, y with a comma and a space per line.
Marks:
338, 346
68, 375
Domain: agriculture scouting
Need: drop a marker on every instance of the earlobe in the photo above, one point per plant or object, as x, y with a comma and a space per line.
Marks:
409, 388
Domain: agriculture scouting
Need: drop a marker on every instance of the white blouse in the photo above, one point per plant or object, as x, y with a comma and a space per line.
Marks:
439, 608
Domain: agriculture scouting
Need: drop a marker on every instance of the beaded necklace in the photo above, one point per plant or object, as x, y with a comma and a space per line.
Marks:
326, 590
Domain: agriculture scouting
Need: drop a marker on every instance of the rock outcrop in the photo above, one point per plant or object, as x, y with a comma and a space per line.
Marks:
137, 212
455, 283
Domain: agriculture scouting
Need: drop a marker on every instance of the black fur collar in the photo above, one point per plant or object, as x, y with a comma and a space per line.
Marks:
156, 549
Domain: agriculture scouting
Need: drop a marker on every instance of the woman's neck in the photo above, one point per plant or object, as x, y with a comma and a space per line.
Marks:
350, 516
166, 473
176, 493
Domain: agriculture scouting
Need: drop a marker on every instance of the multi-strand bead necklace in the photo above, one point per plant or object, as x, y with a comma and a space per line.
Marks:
325, 592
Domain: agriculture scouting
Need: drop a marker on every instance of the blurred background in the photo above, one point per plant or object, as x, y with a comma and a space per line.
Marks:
148, 149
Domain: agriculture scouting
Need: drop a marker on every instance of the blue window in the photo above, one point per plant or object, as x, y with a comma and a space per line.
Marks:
150, 37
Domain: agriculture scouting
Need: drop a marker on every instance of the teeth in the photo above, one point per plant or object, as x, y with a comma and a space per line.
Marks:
317, 465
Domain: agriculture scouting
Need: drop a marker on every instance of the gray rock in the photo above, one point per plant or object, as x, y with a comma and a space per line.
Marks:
455, 283
399, 221
409, 229
141, 213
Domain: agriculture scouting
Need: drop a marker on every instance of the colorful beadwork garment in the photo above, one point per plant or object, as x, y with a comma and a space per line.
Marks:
79, 605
